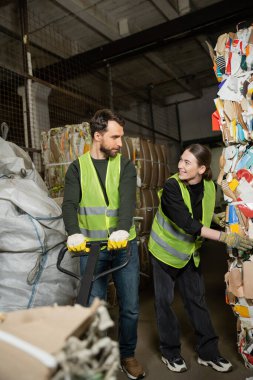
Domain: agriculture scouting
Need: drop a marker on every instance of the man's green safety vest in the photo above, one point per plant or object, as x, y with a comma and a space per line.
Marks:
97, 220
171, 244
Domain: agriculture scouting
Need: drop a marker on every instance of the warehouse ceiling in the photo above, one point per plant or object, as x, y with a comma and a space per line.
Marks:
128, 51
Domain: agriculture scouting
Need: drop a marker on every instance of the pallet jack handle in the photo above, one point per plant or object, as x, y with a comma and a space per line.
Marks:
89, 277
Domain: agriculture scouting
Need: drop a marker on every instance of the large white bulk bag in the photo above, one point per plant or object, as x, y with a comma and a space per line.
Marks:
32, 233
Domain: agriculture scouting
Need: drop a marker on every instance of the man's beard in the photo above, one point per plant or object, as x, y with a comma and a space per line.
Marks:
109, 152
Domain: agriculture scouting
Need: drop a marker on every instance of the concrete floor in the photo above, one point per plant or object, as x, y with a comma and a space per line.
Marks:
214, 266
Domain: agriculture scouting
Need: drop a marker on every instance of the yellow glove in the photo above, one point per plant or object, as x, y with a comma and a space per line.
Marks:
118, 239
77, 243
236, 241
219, 219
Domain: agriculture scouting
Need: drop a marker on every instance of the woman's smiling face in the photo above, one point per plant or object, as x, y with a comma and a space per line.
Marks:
189, 169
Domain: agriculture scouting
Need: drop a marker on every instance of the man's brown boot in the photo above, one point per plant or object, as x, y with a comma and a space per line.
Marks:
132, 368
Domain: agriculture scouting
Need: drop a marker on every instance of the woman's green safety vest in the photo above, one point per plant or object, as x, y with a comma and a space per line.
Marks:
97, 220
171, 244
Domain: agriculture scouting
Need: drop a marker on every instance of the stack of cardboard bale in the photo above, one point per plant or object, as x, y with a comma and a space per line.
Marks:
34, 345
233, 66
60, 146
151, 162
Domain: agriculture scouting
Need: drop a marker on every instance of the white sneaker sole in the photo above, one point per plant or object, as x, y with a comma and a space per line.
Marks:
131, 376
178, 368
226, 368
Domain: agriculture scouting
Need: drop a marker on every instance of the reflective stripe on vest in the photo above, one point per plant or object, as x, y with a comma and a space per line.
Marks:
97, 211
95, 234
163, 244
173, 230
98, 222
171, 244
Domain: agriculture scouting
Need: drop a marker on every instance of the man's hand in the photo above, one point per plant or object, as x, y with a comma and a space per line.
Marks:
118, 239
236, 241
219, 219
77, 243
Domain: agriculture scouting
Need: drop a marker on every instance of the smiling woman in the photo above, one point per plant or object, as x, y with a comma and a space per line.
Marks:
194, 164
183, 219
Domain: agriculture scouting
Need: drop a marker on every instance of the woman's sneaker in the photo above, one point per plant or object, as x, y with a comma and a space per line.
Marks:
220, 364
175, 364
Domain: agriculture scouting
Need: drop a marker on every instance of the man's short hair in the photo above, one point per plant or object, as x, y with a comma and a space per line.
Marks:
99, 122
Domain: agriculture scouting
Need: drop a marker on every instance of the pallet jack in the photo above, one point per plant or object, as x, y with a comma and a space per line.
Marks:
89, 275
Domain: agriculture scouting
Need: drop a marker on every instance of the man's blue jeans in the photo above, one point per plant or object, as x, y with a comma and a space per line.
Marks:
126, 281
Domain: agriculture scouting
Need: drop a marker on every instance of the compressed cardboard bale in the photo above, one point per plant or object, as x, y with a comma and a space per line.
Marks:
127, 147
161, 165
60, 146
146, 210
154, 165
165, 152
145, 161
41, 328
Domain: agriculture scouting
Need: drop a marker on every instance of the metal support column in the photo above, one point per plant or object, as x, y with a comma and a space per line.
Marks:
110, 86
179, 126
150, 88
25, 42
